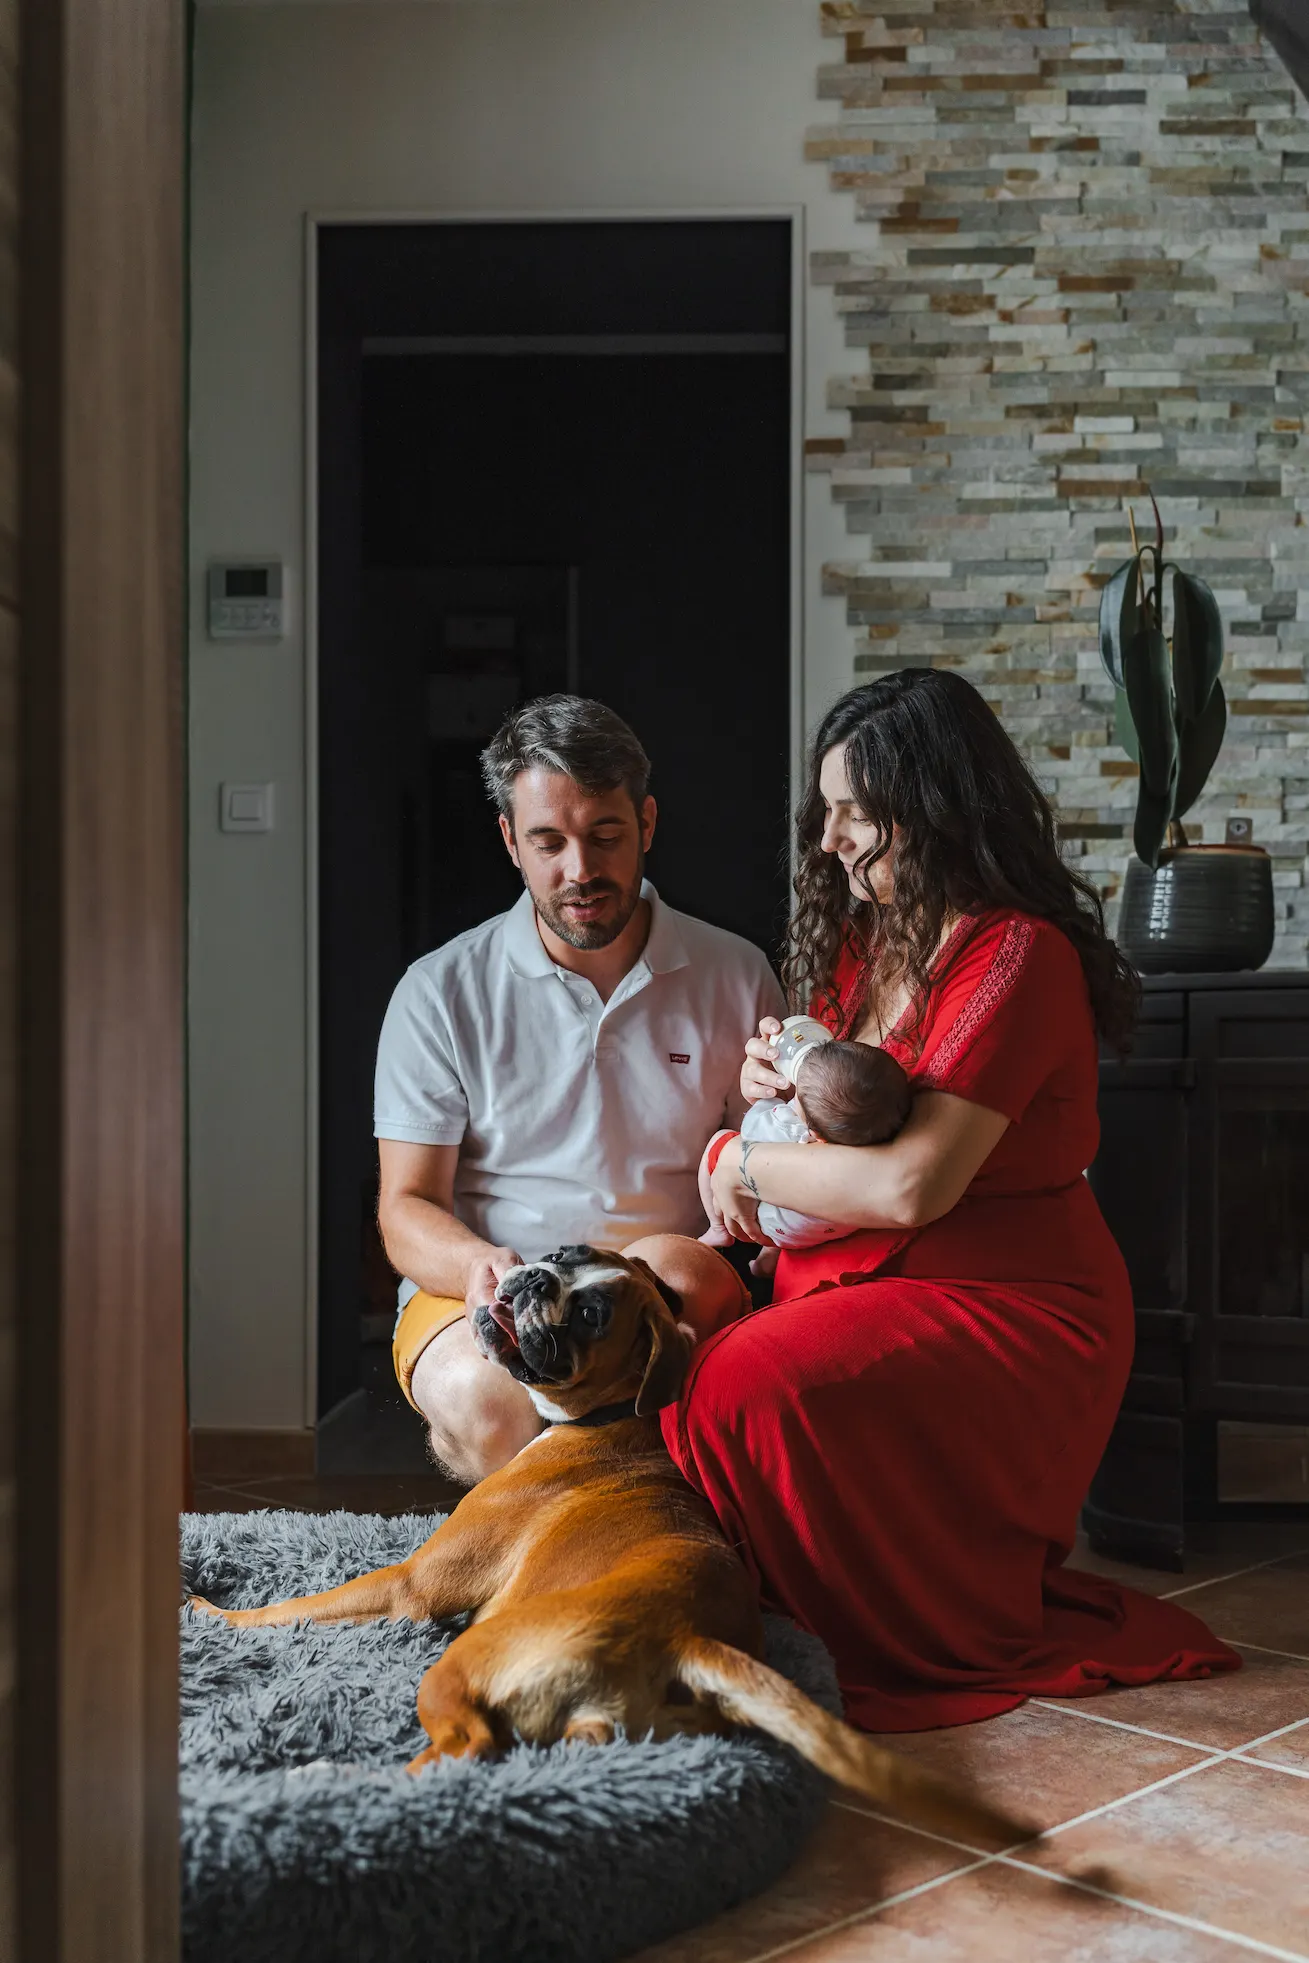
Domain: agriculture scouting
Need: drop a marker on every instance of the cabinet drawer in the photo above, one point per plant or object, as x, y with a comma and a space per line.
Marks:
1169, 1005
1158, 1039
1269, 1023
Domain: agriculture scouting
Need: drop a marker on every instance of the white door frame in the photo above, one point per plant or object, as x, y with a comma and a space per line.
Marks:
794, 214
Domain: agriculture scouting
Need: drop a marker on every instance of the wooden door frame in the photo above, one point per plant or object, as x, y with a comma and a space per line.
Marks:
100, 1253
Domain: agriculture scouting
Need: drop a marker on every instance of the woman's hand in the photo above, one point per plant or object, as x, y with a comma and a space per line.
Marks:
759, 1079
740, 1209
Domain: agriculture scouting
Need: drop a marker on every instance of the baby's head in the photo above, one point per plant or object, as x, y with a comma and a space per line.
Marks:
851, 1093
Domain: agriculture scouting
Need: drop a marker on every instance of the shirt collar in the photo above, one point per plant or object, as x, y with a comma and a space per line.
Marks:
664, 949
523, 945
525, 950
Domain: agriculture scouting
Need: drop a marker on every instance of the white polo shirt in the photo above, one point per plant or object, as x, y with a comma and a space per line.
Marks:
577, 1120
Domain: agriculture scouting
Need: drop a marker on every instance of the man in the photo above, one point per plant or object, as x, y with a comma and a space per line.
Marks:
553, 1076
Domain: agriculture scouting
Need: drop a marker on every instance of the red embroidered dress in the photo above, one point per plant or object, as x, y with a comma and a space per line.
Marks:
901, 1444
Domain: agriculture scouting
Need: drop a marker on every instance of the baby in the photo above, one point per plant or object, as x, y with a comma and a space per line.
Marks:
846, 1094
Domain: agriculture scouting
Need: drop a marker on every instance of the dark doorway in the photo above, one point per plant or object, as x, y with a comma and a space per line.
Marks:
551, 456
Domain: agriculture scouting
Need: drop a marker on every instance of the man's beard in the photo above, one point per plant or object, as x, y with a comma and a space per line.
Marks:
589, 935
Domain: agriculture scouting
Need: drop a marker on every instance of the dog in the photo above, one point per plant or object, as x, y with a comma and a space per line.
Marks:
602, 1592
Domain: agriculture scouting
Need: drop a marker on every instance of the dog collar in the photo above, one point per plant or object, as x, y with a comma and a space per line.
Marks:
604, 1414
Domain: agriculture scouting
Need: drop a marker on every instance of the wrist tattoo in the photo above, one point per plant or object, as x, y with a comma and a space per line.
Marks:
744, 1173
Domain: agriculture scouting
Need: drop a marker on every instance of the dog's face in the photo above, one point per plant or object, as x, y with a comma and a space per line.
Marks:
582, 1328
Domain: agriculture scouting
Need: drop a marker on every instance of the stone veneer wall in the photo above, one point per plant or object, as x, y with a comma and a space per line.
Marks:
1087, 275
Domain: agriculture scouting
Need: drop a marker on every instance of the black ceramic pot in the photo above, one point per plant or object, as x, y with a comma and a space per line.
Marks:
1208, 909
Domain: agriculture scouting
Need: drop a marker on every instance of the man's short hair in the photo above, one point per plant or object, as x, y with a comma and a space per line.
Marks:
573, 735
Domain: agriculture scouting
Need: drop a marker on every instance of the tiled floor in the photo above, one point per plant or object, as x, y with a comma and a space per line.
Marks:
1176, 1816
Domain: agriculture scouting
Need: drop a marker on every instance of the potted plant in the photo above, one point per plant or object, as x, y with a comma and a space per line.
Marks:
1185, 908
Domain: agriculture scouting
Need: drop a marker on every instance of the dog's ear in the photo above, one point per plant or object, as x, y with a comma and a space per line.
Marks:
672, 1300
670, 1353
670, 1349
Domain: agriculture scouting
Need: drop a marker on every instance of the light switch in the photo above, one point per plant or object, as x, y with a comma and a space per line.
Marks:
245, 807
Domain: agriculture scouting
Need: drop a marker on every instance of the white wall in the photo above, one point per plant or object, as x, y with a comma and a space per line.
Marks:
454, 105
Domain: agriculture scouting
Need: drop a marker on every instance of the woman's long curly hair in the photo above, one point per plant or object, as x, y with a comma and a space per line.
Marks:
930, 766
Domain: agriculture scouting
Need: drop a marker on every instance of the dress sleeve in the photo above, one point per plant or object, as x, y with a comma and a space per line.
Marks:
1009, 1014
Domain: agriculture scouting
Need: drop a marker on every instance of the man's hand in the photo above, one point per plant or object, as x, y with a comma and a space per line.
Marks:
488, 1270
759, 1077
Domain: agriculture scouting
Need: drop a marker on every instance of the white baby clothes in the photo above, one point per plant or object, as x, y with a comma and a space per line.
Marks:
773, 1121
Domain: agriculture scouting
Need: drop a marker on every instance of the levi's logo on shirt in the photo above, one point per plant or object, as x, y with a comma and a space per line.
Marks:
678, 1056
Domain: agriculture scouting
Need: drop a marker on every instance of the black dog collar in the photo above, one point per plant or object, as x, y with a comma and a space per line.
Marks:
604, 1414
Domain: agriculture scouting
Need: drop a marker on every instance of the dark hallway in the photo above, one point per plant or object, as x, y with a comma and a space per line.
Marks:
550, 457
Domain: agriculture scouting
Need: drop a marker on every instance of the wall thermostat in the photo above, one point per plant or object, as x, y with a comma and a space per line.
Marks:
246, 601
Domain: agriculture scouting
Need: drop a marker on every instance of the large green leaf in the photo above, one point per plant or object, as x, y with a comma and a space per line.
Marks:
1119, 619
1170, 715
1198, 744
1150, 698
1197, 644
1124, 727
1150, 828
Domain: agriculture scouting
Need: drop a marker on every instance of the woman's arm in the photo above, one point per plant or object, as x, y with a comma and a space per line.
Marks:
915, 1179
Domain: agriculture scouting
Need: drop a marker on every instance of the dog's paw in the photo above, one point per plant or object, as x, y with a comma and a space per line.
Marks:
201, 1607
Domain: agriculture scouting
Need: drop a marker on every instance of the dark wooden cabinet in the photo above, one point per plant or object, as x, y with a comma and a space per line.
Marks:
1203, 1176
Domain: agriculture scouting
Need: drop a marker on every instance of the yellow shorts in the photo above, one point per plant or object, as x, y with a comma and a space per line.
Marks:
421, 1318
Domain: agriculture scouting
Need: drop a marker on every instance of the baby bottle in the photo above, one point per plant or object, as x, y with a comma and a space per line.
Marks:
799, 1033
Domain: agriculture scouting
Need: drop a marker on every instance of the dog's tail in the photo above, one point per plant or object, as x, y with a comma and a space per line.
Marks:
748, 1693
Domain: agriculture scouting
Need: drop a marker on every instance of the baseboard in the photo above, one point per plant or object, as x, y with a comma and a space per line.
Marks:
229, 1458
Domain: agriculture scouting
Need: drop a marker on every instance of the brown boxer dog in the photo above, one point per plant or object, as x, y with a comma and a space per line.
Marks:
602, 1591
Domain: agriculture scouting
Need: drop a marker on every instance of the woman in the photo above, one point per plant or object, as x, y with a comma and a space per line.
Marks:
901, 1444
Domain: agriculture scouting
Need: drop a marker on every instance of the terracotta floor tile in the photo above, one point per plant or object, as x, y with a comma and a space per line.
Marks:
1035, 1763
1221, 1712
1263, 1463
1291, 1749
1213, 1549
1269, 1607
1002, 1915
850, 1863
1229, 1846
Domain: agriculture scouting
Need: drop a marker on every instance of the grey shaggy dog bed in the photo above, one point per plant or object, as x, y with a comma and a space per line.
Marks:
303, 1836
